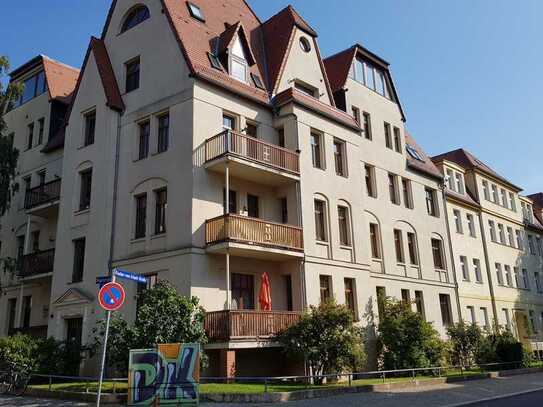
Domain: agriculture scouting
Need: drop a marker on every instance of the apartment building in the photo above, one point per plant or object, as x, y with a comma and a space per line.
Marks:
205, 147
29, 229
497, 243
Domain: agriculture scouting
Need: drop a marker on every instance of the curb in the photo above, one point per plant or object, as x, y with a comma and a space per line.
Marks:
282, 397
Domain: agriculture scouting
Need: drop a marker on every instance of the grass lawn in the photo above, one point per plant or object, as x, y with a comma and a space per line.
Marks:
253, 388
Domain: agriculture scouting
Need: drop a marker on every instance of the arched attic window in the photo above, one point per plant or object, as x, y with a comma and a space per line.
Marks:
135, 16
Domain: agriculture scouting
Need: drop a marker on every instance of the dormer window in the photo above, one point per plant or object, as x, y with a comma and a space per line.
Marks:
370, 76
307, 89
134, 17
196, 12
257, 81
238, 63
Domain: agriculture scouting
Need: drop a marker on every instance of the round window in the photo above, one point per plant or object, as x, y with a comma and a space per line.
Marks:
304, 44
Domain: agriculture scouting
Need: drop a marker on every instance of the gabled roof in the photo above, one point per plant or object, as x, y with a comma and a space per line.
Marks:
469, 162
338, 66
61, 78
107, 76
425, 166
227, 38
538, 206
294, 95
278, 33
196, 39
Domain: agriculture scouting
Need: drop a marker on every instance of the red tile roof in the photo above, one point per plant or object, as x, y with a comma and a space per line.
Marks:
426, 165
61, 79
338, 66
195, 39
468, 161
293, 95
109, 84
105, 70
278, 33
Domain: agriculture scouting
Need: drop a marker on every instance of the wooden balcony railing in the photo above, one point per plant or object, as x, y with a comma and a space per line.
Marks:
37, 263
229, 142
247, 324
255, 231
48, 192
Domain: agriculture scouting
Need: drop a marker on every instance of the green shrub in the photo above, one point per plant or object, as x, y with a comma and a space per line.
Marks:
46, 356
327, 339
405, 339
465, 340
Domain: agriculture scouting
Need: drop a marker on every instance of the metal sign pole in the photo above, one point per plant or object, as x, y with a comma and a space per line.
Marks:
104, 353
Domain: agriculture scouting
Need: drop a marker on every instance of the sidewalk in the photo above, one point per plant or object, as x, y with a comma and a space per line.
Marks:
441, 395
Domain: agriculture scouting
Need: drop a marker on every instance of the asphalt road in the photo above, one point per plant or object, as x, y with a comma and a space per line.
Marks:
525, 400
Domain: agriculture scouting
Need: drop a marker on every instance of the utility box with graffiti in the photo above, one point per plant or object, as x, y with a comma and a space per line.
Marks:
168, 375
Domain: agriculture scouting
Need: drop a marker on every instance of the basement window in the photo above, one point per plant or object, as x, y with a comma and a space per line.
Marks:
196, 12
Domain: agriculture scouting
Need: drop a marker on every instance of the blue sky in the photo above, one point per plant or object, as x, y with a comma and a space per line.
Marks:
467, 71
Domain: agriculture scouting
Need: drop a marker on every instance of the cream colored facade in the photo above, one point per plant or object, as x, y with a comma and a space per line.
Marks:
415, 253
505, 244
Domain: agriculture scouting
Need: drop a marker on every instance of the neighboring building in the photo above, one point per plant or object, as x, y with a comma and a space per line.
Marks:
497, 246
29, 228
205, 147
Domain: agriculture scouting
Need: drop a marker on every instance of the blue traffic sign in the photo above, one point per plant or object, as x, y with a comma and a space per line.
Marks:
138, 278
111, 296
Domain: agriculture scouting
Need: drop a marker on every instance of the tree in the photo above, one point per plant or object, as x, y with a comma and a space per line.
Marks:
405, 339
167, 317
326, 338
164, 316
8, 154
465, 340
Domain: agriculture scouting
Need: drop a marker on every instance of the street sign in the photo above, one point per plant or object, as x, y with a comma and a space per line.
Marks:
101, 281
138, 278
111, 296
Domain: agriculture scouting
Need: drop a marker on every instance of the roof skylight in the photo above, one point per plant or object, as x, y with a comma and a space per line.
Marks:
196, 12
413, 153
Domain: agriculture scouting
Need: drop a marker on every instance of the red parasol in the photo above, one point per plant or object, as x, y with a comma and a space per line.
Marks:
265, 293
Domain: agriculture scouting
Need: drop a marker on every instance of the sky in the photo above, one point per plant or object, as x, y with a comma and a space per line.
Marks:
467, 71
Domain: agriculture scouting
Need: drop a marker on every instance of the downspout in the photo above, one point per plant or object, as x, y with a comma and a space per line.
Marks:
488, 272
115, 189
453, 265
299, 215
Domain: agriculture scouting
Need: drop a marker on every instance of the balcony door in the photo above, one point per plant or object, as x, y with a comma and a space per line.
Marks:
252, 206
243, 291
252, 146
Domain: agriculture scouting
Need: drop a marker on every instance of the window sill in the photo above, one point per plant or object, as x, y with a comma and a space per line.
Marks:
346, 247
138, 240
84, 146
158, 236
81, 211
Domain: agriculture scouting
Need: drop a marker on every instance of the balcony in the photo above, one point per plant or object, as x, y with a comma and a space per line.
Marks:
253, 237
43, 199
247, 325
251, 159
37, 264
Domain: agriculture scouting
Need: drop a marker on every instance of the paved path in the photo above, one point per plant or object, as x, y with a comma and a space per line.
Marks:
434, 396
10, 401
446, 395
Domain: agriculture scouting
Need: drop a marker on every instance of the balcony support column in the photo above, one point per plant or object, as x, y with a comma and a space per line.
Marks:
226, 211
227, 364
26, 250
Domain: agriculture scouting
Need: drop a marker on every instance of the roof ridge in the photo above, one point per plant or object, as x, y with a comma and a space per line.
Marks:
55, 61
